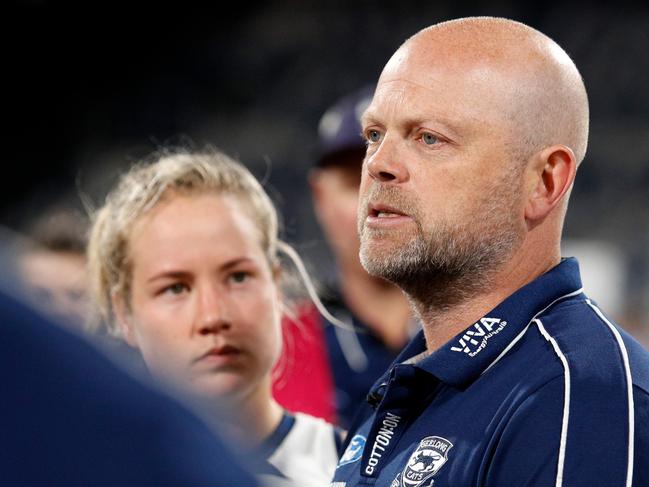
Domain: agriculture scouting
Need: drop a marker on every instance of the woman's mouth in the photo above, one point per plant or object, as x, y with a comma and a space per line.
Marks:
221, 355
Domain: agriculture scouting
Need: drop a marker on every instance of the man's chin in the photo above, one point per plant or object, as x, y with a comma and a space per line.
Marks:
373, 257
379, 245
381, 263
380, 250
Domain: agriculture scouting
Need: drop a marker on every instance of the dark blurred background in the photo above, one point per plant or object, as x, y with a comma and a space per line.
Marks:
91, 87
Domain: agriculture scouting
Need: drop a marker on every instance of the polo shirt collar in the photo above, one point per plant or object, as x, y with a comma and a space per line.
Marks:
465, 357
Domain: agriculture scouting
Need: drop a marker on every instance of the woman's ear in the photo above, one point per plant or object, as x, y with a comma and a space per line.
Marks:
124, 319
552, 174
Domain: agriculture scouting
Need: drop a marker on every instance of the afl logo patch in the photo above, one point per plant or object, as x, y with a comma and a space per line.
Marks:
425, 461
354, 450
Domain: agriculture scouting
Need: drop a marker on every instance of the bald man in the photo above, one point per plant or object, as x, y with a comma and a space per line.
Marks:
474, 136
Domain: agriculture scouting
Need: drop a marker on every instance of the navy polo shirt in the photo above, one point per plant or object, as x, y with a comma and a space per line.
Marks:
544, 390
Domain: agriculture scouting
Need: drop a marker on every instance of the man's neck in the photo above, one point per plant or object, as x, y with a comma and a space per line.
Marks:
441, 323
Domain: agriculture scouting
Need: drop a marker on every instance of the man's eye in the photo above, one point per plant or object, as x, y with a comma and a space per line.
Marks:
429, 139
373, 136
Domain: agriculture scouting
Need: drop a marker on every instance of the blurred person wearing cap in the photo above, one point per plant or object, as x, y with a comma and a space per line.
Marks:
377, 311
52, 265
49, 262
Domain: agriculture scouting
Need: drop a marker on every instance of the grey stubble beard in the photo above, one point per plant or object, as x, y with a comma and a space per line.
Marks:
448, 263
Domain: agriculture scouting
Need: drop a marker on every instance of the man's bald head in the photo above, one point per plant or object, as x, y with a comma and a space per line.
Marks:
535, 87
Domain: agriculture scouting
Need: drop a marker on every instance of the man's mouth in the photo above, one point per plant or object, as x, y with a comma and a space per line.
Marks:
384, 211
384, 216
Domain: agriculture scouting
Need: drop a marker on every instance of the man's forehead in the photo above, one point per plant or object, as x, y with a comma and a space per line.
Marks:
443, 69
440, 59
390, 95
457, 101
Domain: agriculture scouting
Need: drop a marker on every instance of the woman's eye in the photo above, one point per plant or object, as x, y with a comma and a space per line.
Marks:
239, 277
429, 139
177, 288
373, 136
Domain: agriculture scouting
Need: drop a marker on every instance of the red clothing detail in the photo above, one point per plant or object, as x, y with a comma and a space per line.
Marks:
302, 379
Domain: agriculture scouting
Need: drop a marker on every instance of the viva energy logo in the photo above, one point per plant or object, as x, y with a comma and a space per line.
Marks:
475, 338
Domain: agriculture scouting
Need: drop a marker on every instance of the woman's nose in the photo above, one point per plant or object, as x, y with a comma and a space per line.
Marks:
213, 315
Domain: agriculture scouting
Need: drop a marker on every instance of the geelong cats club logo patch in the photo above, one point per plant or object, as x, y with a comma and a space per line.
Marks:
425, 461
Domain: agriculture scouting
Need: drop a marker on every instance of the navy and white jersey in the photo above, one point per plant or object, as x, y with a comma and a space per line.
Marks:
302, 451
544, 390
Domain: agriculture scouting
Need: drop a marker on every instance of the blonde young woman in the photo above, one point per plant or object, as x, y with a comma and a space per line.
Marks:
183, 258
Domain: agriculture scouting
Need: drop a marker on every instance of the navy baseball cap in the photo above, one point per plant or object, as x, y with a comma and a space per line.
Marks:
339, 129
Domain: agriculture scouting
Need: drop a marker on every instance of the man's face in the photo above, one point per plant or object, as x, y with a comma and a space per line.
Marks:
440, 192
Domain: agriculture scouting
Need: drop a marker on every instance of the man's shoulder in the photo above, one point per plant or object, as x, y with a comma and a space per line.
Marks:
575, 351
586, 336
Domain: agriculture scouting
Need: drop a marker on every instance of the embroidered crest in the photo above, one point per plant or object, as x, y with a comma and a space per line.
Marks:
425, 461
354, 450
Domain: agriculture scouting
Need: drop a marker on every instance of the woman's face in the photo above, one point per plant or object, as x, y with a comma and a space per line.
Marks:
205, 306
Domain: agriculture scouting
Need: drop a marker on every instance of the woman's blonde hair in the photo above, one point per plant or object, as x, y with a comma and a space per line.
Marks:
146, 184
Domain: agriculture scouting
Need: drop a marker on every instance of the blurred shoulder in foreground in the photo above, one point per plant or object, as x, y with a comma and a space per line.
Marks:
70, 417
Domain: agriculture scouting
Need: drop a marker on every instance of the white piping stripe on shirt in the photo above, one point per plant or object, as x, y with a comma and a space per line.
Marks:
520, 335
629, 382
566, 401
351, 347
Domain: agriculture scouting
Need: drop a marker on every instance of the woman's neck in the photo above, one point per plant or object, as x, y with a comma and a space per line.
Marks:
255, 417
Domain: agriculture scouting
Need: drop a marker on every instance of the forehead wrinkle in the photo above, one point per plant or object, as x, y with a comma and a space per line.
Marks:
394, 98
457, 117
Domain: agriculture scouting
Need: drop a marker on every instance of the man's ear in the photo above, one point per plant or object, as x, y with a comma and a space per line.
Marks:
124, 319
552, 174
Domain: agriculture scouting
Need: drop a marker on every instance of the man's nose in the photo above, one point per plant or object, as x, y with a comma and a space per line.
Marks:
386, 163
